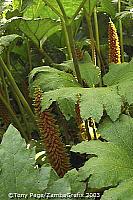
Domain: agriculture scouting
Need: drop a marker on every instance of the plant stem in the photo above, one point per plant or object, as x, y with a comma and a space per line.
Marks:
29, 54
69, 32
63, 27
71, 41
46, 56
16, 89
97, 35
103, 70
62, 10
4, 85
22, 113
8, 60
14, 118
88, 19
75, 61
67, 40
121, 32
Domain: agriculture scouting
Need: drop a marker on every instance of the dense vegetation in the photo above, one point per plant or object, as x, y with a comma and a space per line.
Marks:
66, 100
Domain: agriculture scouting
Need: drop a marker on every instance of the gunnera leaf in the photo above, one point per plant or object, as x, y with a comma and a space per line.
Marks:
124, 191
119, 73
18, 173
112, 161
93, 101
89, 72
48, 78
8, 41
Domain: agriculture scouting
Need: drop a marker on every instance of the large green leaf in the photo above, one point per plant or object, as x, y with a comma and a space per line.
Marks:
18, 173
76, 186
122, 76
114, 159
39, 29
8, 41
68, 186
93, 101
89, 72
59, 189
70, 7
39, 9
21, 4
125, 90
124, 191
48, 78
118, 73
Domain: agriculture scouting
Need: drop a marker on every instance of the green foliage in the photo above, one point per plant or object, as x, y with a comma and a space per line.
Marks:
21, 5
89, 72
93, 101
38, 9
34, 9
8, 41
123, 191
118, 73
70, 7
112, 162
38, 29
18, 172
108, 7
48, 78
74, 180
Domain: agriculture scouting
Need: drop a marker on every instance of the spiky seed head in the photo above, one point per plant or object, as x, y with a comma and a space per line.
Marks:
114, 47
51, 139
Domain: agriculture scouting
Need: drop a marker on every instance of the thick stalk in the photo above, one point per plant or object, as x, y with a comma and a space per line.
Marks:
29, 54
8, 59
22, 113
121, 32
63, 27
71, 41
97, 35
75, 61
103, 70
14, 118
89, 24
64, 18
4, 85
62, 9
46, 56
67, 40
16, 89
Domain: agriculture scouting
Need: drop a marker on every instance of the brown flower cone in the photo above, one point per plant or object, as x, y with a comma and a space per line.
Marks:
49, 131
114, 47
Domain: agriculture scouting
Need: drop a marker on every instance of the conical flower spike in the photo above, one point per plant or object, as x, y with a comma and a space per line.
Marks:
114, 47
